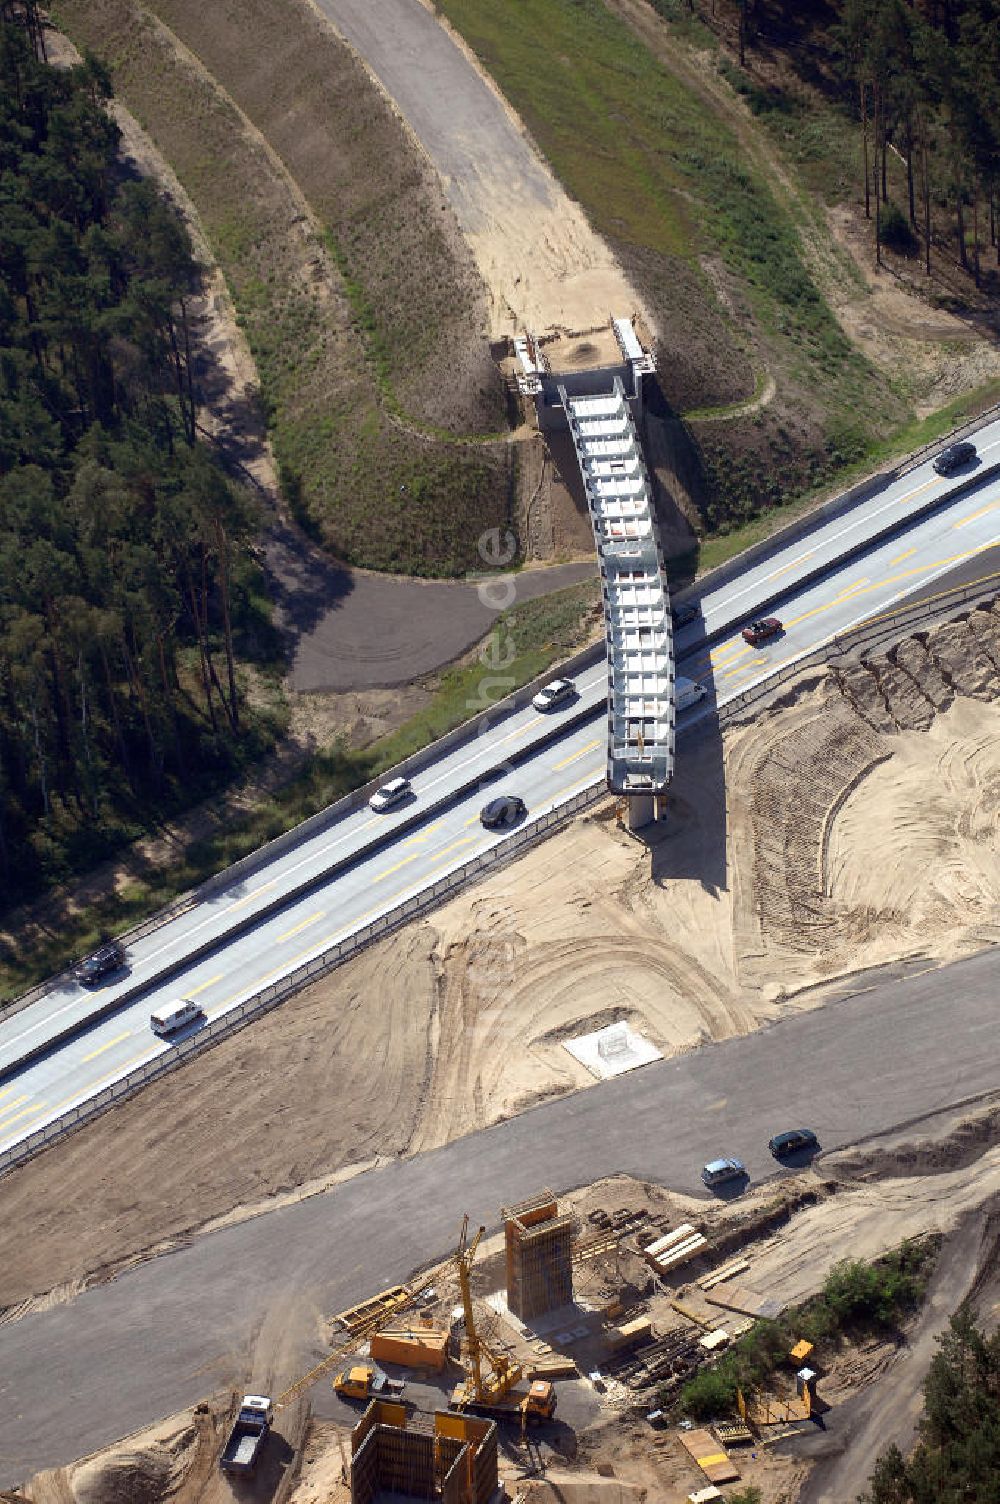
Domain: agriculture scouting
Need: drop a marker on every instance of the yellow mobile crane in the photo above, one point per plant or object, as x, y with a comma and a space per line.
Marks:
500, 1392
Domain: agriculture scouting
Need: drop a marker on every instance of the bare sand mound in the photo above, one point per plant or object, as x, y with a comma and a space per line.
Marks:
147, 1468
847, 827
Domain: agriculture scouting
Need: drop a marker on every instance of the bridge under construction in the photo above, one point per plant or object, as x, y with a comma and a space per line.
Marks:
602, 405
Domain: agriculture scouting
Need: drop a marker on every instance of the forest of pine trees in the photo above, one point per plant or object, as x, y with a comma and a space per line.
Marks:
957, 1457
922, 79
124, 558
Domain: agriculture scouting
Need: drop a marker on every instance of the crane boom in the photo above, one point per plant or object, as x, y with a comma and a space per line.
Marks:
361, 1333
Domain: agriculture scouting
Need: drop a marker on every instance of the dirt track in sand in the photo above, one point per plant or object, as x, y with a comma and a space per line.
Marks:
850, 826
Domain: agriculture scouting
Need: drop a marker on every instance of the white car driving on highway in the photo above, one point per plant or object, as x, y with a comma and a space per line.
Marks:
390, 794
554, 694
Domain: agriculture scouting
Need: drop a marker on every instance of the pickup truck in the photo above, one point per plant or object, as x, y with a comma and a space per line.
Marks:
363, 1381
249, 1433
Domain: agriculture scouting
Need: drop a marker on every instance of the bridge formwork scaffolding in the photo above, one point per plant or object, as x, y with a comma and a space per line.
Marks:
600, 399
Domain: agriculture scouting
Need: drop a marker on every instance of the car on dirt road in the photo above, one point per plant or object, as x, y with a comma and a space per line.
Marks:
720, 1171
793, 1141
106, 959
555, 694
761, 630
955, 456
503, 811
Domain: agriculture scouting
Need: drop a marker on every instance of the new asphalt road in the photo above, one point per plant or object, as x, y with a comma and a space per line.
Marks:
78, 1376
266, 942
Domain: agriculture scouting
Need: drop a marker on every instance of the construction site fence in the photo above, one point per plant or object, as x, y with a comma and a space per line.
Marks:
269, 997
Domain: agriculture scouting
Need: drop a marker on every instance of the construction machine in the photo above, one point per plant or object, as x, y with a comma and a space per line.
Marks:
365, 1381
246, 1441
499, 1392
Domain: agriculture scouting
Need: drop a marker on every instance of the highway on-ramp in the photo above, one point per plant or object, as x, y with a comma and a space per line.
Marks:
423, 850
78, 1376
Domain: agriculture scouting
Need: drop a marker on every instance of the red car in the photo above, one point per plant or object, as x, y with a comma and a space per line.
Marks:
757, 632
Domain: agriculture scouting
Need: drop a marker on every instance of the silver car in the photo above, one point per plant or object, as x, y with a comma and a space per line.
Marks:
718, 1171
554, 694
390, 794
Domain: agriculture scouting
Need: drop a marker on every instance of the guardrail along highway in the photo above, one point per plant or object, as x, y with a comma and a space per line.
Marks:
282, 924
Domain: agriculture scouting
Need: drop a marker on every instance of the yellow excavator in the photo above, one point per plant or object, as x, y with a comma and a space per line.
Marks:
499, 1392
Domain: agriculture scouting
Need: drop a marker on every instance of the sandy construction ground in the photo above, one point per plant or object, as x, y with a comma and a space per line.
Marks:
940, 1176
851, 825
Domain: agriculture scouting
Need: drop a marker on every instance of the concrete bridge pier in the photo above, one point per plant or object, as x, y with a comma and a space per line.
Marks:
644, 809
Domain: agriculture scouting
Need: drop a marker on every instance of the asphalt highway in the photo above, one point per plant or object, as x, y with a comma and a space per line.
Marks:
425, 851
162, 1335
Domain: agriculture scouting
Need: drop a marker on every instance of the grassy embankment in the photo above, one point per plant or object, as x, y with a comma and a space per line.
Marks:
341, 292
540, 632
691, 210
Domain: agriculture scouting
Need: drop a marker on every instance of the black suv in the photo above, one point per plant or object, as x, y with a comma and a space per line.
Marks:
107, 958
954, 457
506, 810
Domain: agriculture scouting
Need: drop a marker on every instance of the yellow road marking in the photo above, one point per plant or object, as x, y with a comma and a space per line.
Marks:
908, 554
380, 877
524, 729
17, 1100
111, 1042
849, 590
728, 647
27, 1112
465, 841
910, 494
981, 513
304, 925
194, 991
102, 1081
557, 767
424, 834
793, 565
7, 1091
816, 611
249, 897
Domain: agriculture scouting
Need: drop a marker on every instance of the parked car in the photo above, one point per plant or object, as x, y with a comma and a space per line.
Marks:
686, 612
792, 1140
107, 958
955, 456
174, 1016
554, 694
390, 794
718, 1171
507, 809
756, 632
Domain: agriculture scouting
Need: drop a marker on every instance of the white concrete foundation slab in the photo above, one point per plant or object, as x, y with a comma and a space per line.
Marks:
612, 1051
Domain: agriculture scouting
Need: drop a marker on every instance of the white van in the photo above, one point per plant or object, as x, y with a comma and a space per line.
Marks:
168, 1020
688, 692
